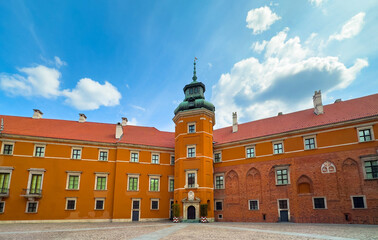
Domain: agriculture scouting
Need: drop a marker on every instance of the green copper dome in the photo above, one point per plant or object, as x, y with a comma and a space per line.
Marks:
194, 96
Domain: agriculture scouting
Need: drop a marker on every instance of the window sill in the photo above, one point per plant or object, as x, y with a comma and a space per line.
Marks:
69, 209
75, 158
133, 190
153, 191
371, 179
99, 209
310, 149
72, 189
320, 208
359, 208
155, 163
278, 153
284, 184
253, 209
102, 190
134, 162
366, 141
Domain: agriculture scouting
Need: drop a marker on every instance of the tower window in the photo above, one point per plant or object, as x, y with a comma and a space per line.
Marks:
191, 127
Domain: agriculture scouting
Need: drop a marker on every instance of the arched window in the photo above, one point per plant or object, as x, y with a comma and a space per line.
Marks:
328, 167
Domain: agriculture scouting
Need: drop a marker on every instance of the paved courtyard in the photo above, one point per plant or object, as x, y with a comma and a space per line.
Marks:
168, 230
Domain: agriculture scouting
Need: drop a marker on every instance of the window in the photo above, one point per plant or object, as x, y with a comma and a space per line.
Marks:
219, 181
217, 157
4, 182
250, 152
154, 183
39, 151
319, 202
172, 160
73, 180
101, 181
35, 184
191, 151
365, 134
171, 183
191, 127
371, 169
283, 204
31, 207
253, 204
278, 148
309, 142
358, 202
155, 158
99, 203
2, 206
76, 153
282, 175
7, 148
191, 179
134, 157
70, 203
218, 205
154, 204
103, 155
133, 182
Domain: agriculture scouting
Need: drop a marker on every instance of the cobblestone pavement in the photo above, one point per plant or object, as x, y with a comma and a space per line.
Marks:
168, 230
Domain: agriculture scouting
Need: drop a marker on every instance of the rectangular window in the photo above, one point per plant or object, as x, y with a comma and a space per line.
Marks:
358, 202
8, 148
217, 157
154, 184
99, 204
219, 181
191, 180
154, 204
371, 169
172, 160
191, 150
31, 207
191, 128
365, 135
4, 183
133, 183
35, 184
218, 205
39, 151
2, 206
155, 159
309, 143
171, 185
253, 204
250, 151
73, 182
319, 203
101, 182
278, 148
282, 176
70, 203
103, 156
134, 157
283, 204
76, 153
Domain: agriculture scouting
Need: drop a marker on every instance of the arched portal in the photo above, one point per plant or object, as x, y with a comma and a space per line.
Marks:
191, 212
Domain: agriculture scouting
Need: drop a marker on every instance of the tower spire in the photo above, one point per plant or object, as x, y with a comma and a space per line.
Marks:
194, 71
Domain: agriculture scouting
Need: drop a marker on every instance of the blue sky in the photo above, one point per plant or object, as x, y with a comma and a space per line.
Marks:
113, 59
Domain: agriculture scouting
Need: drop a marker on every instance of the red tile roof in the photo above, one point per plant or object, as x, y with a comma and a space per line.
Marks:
148, 136
333, 113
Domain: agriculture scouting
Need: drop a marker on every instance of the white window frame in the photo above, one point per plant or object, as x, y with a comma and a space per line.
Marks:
3, 206
287, 167
27, 206
220, 156
215, 180
249, 204
170, 159
131, 154
35, 150
278, 142
35, 171
106, 181
365, 128
215, 205
95, 204
153, 176
254, 151
195, 127
154, 199
73, 173
107, 154
288, 207
2, 148
132, 175
325, 203
81, 153
309, 137
158, 158
368, 158
364, 198
169, 183
8, 170
195, 171
71, 198
187, 151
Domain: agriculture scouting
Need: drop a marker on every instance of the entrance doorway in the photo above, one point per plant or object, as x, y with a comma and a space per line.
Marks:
171, 209
283, 210
191, 212
135, 210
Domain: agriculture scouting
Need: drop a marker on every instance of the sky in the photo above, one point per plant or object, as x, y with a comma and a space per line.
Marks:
114, 59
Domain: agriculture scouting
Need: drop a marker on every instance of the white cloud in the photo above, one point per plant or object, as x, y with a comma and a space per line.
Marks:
350, 28
210, 65
259, 47
90, 95
133, 121
40, 81
59, 62
138, 107
283, 81
317, 3
260, 19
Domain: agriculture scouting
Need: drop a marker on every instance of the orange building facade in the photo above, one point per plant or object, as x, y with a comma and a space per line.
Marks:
315, 165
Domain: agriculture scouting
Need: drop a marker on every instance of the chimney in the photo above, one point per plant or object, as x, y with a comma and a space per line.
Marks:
124, 121
318, 106
279, 114
234, 122
37, 114
82, 117
119, 131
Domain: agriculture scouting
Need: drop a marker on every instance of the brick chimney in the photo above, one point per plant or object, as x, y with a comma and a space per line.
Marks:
124, 121
234, 122
37, 114
82, 117
318, 105
119, 131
